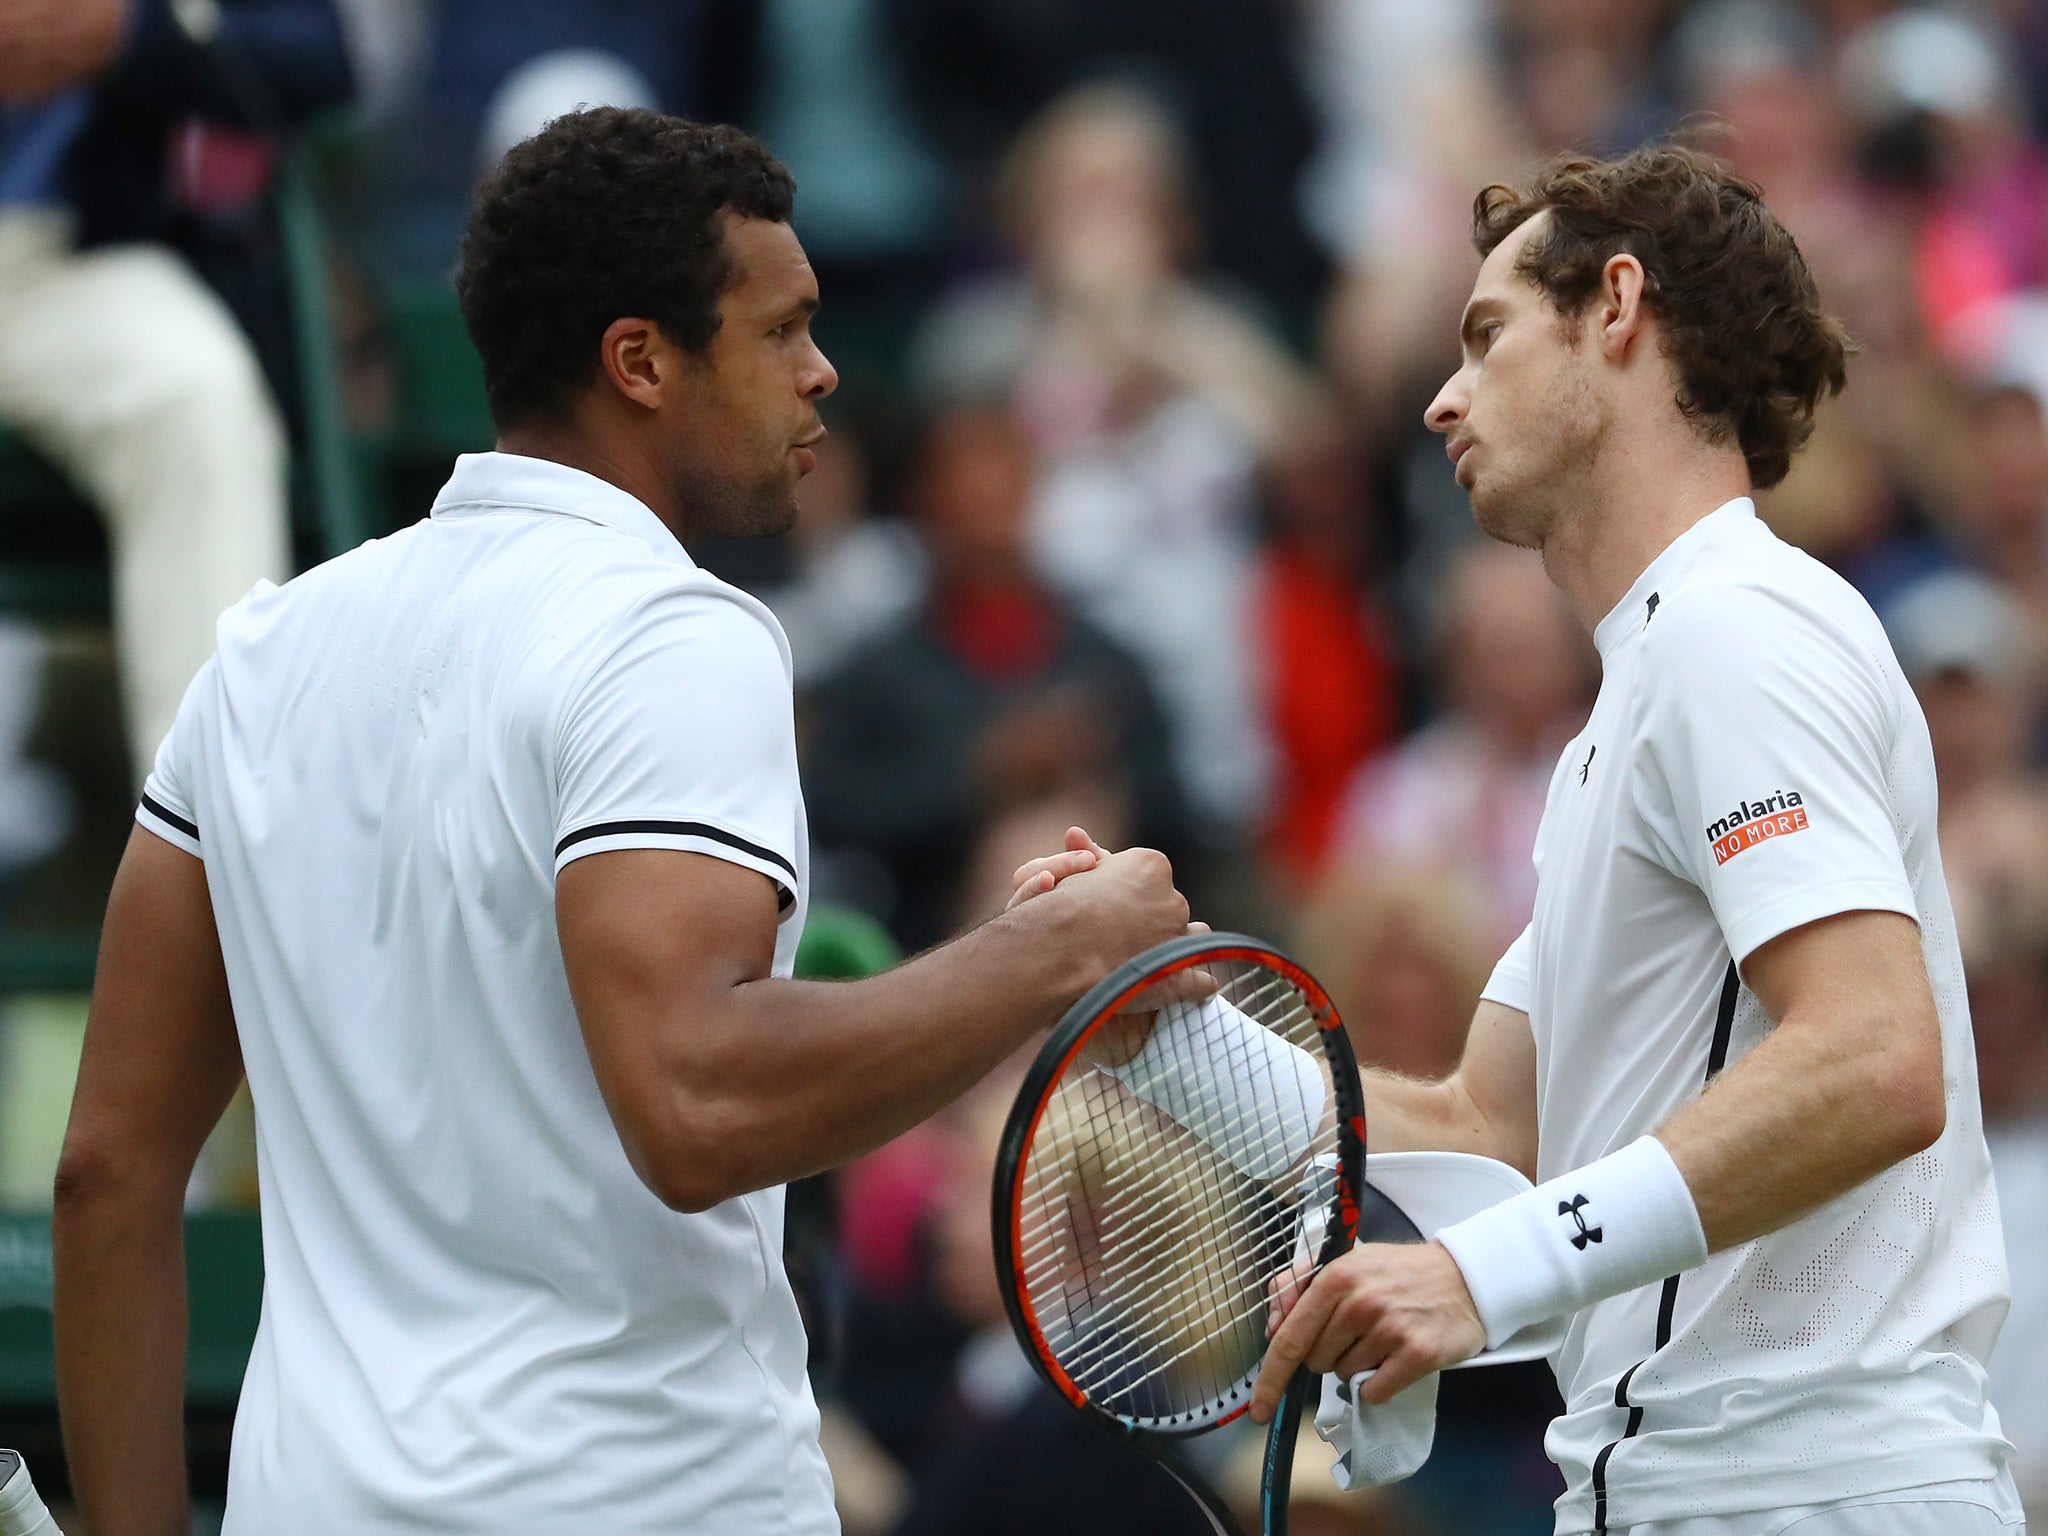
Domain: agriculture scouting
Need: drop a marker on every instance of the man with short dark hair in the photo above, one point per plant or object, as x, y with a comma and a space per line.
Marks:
482, 848
1733, 1045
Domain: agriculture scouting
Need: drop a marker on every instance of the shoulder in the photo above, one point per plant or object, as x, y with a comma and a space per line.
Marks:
1763, 609
638, 606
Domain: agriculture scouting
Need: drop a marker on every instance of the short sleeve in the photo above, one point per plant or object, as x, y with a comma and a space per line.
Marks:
1511, 984
1770, 731
682, 736
169, 807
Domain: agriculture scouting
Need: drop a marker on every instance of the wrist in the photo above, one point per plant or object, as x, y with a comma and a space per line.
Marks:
1625, 1221
1053, 952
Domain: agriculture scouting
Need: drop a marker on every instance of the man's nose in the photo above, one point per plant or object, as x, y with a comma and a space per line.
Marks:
1449, 406
821, 378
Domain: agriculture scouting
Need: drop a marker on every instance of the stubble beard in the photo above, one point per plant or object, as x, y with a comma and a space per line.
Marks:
1556, 486
717, 506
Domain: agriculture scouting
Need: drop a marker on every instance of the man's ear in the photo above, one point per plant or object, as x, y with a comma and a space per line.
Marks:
1621, 312
638, 360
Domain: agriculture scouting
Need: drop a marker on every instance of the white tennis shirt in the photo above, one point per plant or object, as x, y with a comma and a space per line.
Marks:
1755, 761
476, 1318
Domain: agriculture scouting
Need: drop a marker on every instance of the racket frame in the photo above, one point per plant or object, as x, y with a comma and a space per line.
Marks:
1099, 1003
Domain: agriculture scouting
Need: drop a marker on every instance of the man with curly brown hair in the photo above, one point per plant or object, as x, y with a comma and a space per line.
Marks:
1732, 1046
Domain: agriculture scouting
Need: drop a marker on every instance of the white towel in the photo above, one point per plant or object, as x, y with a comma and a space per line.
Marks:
1376, 1445
1232, 1083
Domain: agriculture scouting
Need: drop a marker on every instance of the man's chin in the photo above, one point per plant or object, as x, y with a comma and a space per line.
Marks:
1504, 519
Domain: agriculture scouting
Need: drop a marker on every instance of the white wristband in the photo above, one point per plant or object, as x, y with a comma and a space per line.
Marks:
1625, 1221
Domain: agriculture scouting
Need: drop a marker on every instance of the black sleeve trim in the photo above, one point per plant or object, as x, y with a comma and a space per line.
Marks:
1724, 1022
676, 829
170, 818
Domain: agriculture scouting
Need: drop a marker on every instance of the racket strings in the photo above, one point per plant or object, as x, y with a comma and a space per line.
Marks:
1121, 1158
1138, 1260
1163, 1194
1202, 1081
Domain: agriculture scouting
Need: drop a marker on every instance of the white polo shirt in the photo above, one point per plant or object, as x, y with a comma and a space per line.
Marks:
476, 1318
1755, 761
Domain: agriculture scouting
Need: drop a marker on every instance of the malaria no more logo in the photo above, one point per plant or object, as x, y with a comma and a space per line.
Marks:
1585, 1234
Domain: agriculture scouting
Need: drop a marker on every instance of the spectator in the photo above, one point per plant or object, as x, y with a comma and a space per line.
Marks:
1325, 641
115, 360
2001, 509
1965, 644
1011, 1459
1942, 117
1154, 398
1403, 954
2006, 959
1967, 649
993, 694
878, 199
1416, 118
1463, 795
1759, 73
979, 69
1584, 72
853, 574
463, 80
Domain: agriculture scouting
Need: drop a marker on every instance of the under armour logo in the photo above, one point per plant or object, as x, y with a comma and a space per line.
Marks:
1585, 1234
1587, 766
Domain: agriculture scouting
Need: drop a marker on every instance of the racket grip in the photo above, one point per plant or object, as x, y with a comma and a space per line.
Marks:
1276, 1486
22, 1511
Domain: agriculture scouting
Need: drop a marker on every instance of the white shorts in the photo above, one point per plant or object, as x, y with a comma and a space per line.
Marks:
1987, 1508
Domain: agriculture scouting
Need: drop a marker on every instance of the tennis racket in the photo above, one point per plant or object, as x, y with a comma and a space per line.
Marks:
1188, 1144
22, 1512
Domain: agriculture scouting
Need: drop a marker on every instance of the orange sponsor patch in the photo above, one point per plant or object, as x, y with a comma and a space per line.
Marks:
1761, 830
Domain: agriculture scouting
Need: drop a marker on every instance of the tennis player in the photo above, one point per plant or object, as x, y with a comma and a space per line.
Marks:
481, 849
1732, 1046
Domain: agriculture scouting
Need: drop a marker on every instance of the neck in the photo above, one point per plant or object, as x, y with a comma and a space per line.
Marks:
1636, 505
610, 461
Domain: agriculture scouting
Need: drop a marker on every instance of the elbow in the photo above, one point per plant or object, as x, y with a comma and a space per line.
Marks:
86, 1175
688, 1191
693, 1165
1918, 1096
1923, 1119
94, 1178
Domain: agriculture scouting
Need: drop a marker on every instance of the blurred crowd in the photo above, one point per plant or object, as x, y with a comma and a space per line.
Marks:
1128, 517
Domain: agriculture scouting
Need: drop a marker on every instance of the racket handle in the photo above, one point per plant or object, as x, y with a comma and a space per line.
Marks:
1276, 1485
22, 1512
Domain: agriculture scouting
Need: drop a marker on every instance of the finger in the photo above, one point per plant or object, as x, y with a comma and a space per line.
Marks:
1079, 841
1397, 1373
1058, 865
1036, 885
1359, 1358
1198, 926
1284, 1291
1292, 1342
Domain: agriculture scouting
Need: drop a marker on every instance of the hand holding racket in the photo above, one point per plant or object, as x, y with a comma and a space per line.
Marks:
1147, 1203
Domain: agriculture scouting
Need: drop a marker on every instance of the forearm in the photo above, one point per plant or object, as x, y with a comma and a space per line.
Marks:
798, 1076
1486, 1107
120, 1336
1828, 1114
1412, 1114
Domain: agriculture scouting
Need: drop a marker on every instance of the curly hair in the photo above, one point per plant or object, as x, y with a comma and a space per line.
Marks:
602, 214
1741, 318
